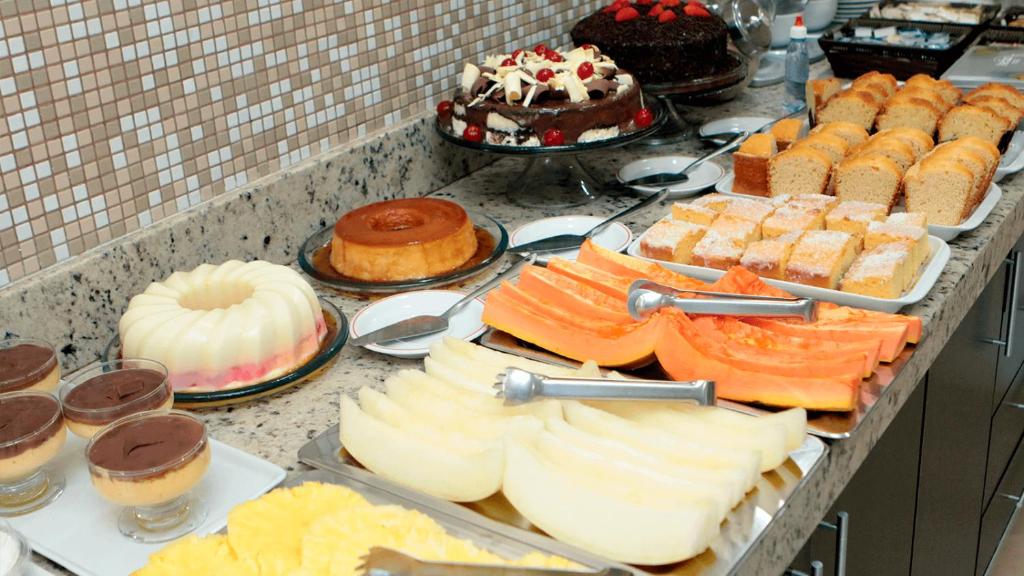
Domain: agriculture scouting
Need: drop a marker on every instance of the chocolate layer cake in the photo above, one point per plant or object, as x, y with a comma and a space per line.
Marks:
657, 48
544, 97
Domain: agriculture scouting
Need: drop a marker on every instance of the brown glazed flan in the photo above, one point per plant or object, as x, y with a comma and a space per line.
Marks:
402, 239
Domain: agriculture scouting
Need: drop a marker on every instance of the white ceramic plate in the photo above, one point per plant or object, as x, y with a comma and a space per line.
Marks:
79, 529
705, 176
946, 233
615, 237
1013, 161
734, 124
929, 275
465, 325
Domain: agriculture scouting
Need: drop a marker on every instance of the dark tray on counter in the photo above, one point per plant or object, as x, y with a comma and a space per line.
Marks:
851, 59
988, 11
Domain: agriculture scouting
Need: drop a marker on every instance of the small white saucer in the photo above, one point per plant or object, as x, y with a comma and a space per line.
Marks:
705, 176
466, 325
616, 236
733, 124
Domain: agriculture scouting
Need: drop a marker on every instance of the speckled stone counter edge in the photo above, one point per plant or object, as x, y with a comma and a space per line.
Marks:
78, 303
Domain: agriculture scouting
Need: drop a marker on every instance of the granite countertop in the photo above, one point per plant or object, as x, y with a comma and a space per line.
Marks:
276, 427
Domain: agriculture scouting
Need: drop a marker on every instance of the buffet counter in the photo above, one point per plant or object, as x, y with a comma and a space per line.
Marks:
81, 299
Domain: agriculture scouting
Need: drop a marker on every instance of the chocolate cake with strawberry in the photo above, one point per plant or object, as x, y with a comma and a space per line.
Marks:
543, 97
661, 42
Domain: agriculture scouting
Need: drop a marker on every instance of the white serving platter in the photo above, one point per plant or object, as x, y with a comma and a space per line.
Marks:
1013, 161
79, 529
929, 275
946, 233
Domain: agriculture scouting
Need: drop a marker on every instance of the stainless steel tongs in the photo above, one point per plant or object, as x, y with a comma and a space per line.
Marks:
518, 386
388, 562
646, 297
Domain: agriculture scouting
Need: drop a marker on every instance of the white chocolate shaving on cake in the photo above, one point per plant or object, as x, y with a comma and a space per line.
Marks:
470, 73
577, 91
529, 95
513, 88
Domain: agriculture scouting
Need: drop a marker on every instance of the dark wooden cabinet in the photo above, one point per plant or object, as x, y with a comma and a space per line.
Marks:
880, 501
955, 440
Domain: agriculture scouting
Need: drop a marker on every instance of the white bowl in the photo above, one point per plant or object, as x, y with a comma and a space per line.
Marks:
616, 237
465, 324
819, 13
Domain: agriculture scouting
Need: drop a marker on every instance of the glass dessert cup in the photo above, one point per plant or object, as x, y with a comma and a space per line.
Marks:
112, 390
28, 364
32, 433
149, 463
18, 565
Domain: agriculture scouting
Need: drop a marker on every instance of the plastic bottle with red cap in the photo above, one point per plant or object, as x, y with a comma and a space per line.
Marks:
797, 66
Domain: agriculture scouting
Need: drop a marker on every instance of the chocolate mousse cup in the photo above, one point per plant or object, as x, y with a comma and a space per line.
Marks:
32, 433
149, 463
112, 390
28, 364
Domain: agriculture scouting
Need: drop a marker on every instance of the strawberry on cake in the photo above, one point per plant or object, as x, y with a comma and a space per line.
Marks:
543, 97
226, 326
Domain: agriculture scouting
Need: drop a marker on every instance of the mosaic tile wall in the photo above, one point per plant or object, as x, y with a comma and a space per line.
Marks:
117, 113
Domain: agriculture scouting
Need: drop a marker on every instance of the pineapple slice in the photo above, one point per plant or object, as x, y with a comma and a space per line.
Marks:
196, 556
269, 530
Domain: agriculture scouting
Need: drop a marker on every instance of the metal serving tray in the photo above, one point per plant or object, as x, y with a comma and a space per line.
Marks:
456, 520
832, 425
495, 521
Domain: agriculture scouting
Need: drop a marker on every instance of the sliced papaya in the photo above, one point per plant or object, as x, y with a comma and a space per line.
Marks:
762, 359
613, 285
743, 341
602, 258
891, 336
629, 350
739, 280
683, 360
591, 325
572, 296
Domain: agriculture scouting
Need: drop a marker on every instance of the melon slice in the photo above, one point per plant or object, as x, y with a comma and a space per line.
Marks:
459, 474
792, 421
769, 442
733, 481
561, 503
666, 445
632, 482
501, 360
407, 381
446, 417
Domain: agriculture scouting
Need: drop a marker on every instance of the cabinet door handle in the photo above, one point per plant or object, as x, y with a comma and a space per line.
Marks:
817, 569
1016, 263
1011, 321
842, 530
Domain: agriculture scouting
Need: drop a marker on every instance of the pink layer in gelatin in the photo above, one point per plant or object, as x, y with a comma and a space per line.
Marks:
248, 374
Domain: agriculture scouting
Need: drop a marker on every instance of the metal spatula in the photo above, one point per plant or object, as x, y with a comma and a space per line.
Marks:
388, 562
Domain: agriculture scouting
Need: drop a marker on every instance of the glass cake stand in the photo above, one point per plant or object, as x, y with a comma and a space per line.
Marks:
714, 89
553, 176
